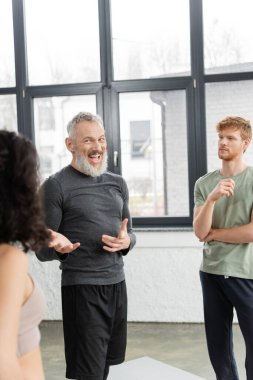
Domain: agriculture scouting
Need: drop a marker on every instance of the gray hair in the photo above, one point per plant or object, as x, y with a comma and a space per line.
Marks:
80, 117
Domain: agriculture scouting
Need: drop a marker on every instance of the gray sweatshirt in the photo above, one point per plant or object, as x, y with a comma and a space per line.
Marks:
83, 208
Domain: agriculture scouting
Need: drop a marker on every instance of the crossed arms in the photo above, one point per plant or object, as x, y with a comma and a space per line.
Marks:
202, 220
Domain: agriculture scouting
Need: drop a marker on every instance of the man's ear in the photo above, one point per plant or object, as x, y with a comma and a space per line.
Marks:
69, 145
246, 144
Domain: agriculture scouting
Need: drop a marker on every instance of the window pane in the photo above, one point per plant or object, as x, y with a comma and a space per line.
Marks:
150, 38
228, 35
51, 118
7, 64
224, 99
62, 41
8, 112
154, 152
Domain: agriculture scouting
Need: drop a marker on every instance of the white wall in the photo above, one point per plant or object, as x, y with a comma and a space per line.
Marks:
162, 274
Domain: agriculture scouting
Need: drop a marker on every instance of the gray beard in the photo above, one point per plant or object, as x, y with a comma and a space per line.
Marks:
85, 167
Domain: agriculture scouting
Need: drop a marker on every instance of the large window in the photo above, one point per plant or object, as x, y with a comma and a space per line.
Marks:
227, 32
8, 112
160, 73
7, 71
228, 57
150, 38
62, 41
161, 147
230, 98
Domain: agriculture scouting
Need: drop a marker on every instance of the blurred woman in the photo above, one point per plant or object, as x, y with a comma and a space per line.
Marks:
21, 228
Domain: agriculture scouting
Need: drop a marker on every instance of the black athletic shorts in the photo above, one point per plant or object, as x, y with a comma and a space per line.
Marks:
95, 328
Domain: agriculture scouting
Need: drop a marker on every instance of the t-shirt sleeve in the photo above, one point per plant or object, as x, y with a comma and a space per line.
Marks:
199, 199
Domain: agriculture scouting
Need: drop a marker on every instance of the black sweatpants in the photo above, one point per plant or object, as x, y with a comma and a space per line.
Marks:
222, 294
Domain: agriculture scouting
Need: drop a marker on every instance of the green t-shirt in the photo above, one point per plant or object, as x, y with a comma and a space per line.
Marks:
234, 260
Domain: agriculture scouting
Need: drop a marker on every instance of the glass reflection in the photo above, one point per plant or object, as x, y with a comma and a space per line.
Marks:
154, 152
68, 53
227, 36
7, 64
8, 112
150, 38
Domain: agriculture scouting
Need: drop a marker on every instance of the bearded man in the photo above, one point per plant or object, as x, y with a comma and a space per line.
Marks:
87, 211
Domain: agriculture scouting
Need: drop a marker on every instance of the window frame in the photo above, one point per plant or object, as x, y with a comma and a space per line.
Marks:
107, 93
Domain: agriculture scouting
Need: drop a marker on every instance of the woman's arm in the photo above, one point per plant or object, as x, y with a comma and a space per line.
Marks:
13, 272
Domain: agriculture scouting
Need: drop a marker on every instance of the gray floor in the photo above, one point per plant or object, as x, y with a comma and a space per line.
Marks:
179, 345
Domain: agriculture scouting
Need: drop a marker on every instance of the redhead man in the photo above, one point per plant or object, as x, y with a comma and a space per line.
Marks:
223, 220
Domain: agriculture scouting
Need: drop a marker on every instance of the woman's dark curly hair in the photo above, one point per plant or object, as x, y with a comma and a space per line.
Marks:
21, 217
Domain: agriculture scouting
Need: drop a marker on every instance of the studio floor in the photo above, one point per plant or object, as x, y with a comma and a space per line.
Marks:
179, 345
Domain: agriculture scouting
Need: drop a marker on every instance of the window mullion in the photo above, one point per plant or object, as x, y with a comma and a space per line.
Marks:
197, 63
24, 122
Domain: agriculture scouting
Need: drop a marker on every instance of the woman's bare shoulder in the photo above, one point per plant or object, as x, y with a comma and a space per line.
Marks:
11, 255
